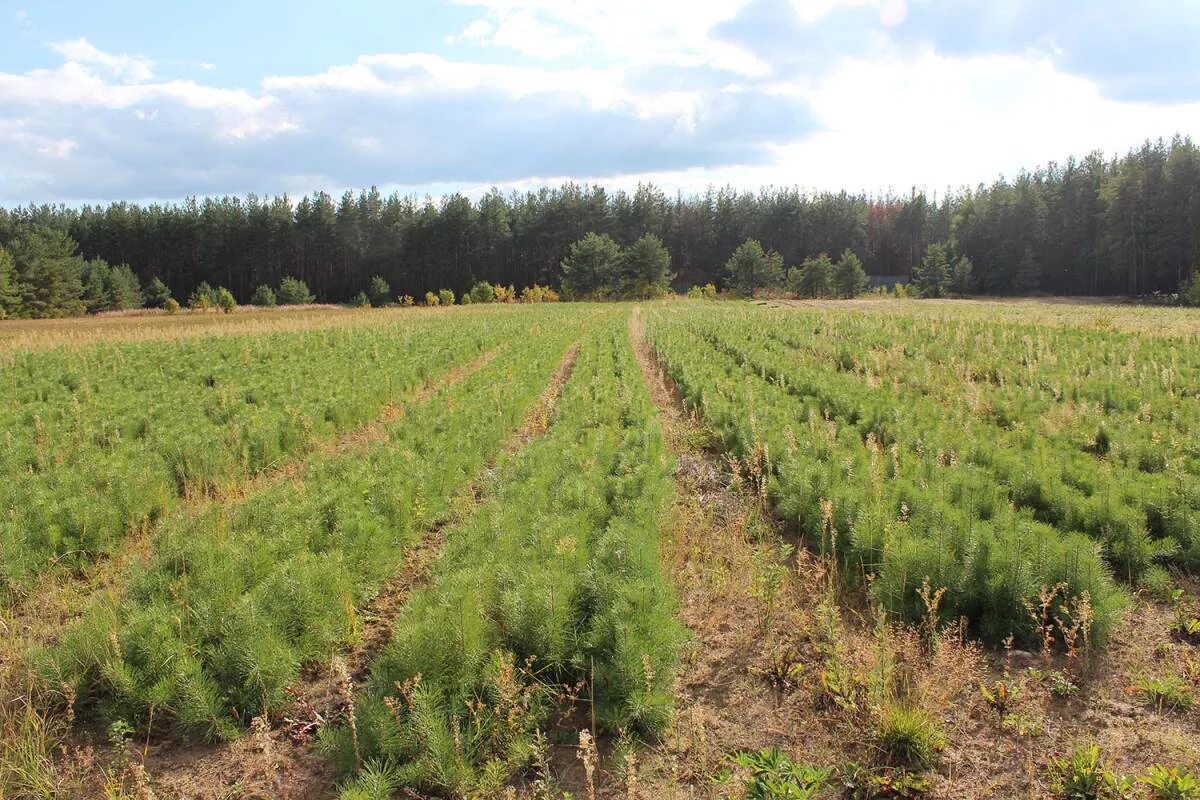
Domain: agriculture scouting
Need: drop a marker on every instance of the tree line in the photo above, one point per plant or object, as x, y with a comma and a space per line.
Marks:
1097, 225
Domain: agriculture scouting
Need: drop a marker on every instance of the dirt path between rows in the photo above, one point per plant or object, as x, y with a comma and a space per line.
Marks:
281, 761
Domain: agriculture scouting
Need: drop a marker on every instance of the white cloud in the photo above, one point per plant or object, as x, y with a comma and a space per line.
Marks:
632, 32
124, 67
659, 98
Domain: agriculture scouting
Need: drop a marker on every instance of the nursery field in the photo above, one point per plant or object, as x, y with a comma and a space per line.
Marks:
859, 549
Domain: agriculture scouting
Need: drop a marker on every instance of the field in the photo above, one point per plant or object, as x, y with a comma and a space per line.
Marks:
692, 549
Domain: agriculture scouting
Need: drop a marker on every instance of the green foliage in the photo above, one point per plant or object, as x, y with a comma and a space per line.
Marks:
107, 288
10, 296
1170, 693
223, 299
156, 294
553, 581
849, 277
446, 297
171, 305
360, 300
1085, 775
645, 269
379, 291
875, 470
308, 551
1000, 696
591, 267
482, 292
813, 278
932, 277
774, 776
1189, 293
48, 273
1176, 783
203, 297
865, 783
293, 292
432, 299
597, 268
962, 280
264, 297
909, 736
751, 268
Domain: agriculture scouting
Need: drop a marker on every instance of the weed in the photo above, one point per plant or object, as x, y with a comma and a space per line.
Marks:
1176, 783
1000, 696
1167, 693
865, 783
1085, 775
774, 776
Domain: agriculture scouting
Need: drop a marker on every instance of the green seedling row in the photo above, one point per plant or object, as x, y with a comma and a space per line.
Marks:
215, 626
107, 439
550, 597
895, 510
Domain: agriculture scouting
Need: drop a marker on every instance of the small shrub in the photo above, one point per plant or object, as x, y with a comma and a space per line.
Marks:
432, 299
378, 291
1157, 584
1171, 784
360, 300
223, 299
156, 294
504, 294
482, 292
1085, 775
171, 306
538, 294
406, 300
202, 298
263, 296
293, 292
446, 297
909, 736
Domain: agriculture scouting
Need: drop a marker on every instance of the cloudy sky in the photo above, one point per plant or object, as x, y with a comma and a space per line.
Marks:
145, 99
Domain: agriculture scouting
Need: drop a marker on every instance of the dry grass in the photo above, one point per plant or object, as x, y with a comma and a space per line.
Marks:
142, 326
1106, 314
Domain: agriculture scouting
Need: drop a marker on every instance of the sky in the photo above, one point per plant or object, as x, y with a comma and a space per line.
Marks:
157, 101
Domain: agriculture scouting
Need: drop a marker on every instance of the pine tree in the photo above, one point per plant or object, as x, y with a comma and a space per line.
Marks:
10, 295
156, 294
1028, 278
961, 279
645, 269
591, 267
750, 268
932, 277
813, 278
849, 277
